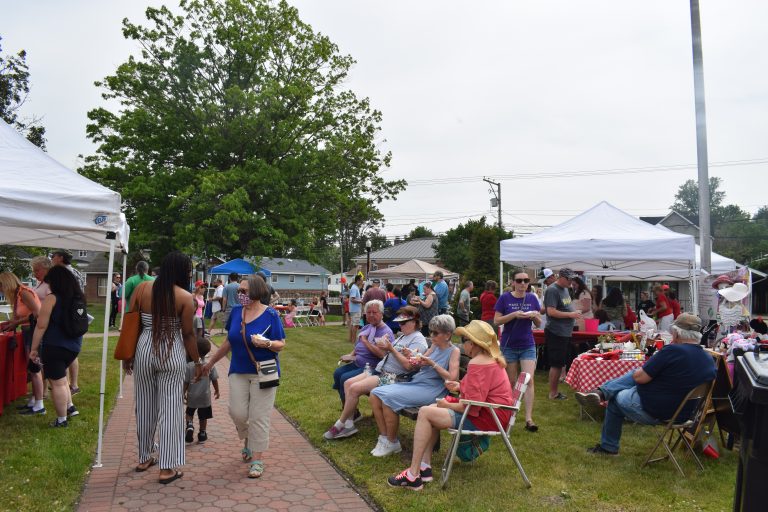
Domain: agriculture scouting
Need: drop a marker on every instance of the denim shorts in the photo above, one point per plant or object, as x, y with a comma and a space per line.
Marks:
513, 355
468, 425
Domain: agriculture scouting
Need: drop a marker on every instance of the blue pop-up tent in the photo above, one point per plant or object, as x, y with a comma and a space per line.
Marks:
238, 265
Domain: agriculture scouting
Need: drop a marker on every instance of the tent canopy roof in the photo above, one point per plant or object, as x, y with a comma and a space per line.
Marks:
238, 265
42, 203
413, 269
605, 241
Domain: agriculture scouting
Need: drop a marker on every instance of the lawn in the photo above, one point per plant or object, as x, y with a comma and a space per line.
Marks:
563, 475
45, 468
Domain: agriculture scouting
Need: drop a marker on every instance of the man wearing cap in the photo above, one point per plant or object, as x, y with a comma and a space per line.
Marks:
441, 290
651, 394
557, 334
375, 292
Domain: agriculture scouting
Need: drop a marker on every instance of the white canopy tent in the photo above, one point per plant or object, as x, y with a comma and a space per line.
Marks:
42, 203
411, 269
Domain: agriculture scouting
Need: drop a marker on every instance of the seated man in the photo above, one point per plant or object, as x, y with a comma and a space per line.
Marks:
651, 394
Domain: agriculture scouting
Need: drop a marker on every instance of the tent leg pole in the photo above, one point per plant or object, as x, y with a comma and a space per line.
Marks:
122, 317
104, 342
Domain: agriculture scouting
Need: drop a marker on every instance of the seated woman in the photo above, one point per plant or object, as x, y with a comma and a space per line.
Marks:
395, 363
316, 309
366, 350
604, 323
439, 364
288, 318
486, 381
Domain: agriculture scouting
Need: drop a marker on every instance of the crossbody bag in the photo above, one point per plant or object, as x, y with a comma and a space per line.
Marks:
267, 370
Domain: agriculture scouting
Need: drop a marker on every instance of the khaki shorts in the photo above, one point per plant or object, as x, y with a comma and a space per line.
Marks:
221, 316
354, 319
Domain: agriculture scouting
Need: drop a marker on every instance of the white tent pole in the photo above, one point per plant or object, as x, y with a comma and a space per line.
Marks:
501, 277
104, 341
122, 317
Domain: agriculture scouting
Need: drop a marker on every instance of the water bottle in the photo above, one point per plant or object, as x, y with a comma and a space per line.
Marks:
367, 370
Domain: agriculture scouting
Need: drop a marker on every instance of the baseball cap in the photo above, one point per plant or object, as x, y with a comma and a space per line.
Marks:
547, 273
199, 283
688, 321
376, 280
665, 287
567, 273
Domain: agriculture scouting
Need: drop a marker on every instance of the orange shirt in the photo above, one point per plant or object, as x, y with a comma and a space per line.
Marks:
20, 310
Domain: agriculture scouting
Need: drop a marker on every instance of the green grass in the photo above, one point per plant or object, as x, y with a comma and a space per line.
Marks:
44, 468
564, 477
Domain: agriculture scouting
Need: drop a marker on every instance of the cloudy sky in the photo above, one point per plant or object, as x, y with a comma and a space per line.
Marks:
565, 103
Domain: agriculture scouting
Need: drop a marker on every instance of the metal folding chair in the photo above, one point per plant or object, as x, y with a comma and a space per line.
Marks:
517, 396
302, 316
681, 427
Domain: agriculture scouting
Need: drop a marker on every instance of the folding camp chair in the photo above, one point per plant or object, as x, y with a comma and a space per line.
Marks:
699, 397
517, 396
302, 316
314, 317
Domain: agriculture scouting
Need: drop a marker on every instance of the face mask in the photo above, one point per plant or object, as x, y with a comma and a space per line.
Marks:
244, 299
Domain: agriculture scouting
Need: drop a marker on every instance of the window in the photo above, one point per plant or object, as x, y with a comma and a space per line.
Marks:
274, 278
291, 279
102, 286
375, 267
306, 279
391, 266
82, 254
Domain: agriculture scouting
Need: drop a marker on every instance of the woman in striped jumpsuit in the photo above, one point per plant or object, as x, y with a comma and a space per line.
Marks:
167, 338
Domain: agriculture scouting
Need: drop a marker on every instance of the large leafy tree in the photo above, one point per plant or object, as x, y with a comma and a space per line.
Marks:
235, 136
472, 248
14, 89
420, 232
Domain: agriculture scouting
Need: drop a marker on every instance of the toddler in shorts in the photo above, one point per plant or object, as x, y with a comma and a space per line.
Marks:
197, 395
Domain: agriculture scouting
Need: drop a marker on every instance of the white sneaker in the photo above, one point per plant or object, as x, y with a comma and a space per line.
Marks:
388, 448
378, 447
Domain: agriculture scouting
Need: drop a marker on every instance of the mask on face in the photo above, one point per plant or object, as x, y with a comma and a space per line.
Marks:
244, 299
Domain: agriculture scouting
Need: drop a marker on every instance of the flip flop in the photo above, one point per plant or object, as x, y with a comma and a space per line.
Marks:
176, 476
531, 426
149, 463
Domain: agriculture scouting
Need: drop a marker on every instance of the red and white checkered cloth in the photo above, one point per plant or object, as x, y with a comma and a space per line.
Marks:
585, 374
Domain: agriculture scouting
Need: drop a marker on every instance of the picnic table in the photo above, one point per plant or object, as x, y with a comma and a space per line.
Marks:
588, 374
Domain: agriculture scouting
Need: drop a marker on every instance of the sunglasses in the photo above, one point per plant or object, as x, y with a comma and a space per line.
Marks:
520, 281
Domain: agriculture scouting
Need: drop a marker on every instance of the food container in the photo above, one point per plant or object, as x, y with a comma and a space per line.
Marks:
631, 355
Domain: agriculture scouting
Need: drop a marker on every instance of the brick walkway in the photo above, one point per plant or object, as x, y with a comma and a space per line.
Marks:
296, 477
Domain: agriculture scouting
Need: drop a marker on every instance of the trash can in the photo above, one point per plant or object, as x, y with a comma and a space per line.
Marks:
750, 400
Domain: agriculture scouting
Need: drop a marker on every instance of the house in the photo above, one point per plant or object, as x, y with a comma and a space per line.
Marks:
296, 278
675, 222
419, 248
94, 266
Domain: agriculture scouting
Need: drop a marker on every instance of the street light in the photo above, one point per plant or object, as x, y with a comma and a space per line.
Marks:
368, 252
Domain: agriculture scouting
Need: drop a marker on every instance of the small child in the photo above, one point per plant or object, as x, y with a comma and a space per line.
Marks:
197, 395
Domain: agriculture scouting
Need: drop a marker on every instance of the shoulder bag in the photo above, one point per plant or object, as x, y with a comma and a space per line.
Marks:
267, 370
131, 328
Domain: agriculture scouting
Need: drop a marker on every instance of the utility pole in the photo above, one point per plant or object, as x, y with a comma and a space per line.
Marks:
701, 139
496, 200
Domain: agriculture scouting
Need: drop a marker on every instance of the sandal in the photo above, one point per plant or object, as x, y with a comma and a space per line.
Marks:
256, 469
176, 475
146, 465
559, 396
247, 454
530, 426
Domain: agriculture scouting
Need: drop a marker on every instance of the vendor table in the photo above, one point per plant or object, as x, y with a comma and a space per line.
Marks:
579, 337
13, 369
587, 374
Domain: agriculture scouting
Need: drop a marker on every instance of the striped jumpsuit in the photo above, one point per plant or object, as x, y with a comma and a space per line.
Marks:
158, 390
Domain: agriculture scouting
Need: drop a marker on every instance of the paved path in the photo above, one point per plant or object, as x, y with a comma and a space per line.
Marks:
296, 477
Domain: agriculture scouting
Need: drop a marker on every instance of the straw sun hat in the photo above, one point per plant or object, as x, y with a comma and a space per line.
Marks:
481, 334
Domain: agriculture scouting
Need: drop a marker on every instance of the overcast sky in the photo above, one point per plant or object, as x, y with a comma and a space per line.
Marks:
537, 88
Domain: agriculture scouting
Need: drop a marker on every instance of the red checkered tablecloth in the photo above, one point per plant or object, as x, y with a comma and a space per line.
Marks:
587, 374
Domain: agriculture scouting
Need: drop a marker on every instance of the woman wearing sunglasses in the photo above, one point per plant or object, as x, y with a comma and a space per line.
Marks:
255, 336
438, 364
518, 311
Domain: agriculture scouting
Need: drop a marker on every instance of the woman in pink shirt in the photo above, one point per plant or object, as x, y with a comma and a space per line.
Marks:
486, 381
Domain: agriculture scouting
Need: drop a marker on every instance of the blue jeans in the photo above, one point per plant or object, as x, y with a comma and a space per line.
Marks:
340, 376
623, 402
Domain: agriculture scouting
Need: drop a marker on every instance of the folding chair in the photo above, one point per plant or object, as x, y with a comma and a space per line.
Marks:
302, 316
698, 395
314, 317
517, 396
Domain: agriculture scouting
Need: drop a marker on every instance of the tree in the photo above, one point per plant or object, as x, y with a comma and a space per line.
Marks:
470, 246
419, 232
687, 200
14, 89
234, 135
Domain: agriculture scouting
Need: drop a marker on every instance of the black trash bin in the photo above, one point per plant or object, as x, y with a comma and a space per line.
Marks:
750, 400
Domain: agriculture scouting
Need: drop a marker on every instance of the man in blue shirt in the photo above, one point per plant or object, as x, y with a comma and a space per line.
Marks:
441, 290
651, 394
355, 306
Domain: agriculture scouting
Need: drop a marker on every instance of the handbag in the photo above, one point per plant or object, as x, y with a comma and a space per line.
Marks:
130, 329
269, 377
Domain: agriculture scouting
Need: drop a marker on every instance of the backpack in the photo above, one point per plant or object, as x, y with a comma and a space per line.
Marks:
471, 447
74, 318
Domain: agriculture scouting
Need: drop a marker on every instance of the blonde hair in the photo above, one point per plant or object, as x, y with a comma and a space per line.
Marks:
10, 285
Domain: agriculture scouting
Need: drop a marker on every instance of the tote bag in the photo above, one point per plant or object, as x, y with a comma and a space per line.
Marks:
131, 328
